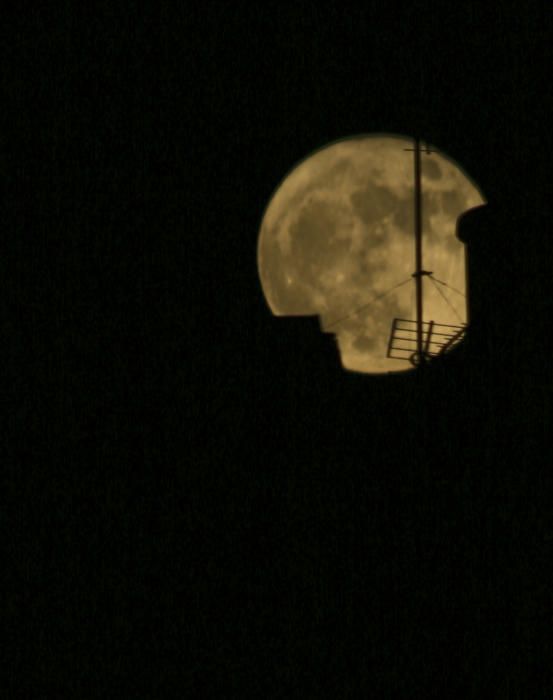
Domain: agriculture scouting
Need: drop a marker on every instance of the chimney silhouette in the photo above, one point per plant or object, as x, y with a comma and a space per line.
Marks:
492, 279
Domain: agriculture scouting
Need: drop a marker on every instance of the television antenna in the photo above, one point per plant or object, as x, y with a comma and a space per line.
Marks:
425, 339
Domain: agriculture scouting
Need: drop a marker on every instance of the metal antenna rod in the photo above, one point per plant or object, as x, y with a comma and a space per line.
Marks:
418, 248
419, 272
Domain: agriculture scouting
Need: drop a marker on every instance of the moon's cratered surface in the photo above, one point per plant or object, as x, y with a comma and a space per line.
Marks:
338, 232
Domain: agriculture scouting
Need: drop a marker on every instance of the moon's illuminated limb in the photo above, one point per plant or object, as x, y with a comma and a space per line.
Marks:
338, 232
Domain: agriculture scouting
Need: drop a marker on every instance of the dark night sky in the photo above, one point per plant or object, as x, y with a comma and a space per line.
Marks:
199, 497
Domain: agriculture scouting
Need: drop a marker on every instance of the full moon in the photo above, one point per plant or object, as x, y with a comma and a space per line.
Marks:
337, 240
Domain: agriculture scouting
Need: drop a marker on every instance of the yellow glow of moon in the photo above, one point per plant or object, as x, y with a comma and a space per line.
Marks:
338, 232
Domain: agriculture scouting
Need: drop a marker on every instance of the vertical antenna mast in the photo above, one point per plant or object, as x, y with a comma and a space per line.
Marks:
420, 353
418, 248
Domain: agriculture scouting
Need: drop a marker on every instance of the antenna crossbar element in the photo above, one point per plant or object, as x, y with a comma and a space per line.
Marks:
438, 338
